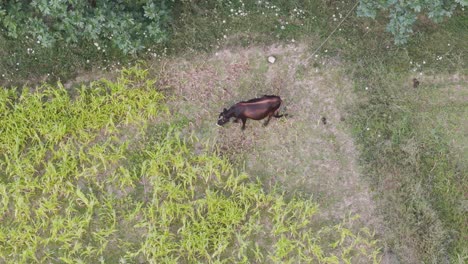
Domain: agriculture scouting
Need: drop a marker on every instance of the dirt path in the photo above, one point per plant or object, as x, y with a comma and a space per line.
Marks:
300, 153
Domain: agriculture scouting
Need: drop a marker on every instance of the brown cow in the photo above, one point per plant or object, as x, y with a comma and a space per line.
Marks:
256, 109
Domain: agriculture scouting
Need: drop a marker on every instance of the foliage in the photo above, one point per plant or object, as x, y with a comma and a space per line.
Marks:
127, 25
403, 14
93, 177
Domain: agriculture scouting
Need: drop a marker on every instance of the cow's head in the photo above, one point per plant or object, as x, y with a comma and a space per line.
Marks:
223, 117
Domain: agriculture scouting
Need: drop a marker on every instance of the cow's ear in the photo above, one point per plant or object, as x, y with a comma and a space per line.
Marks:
225, 110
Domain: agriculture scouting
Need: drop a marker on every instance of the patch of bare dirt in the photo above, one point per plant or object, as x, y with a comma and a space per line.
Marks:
88, 77
301, 153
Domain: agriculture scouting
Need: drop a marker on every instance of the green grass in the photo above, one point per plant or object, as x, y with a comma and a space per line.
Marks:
24, 61
409, 160
412, 165
94, 177
405, 142
408, 157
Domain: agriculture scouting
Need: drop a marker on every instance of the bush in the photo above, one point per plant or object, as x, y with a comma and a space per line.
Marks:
124, 24
403, 14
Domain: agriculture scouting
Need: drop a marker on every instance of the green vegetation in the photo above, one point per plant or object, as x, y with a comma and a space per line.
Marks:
407, 152
55, 40
95, 177
85, 175
403, 14
408, 157
126, 25
404, 143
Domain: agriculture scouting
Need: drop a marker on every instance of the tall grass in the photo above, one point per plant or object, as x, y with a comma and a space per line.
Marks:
58, 153
93, 177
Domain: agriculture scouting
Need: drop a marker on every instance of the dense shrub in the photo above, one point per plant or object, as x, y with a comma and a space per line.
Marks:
403, 14
126, 25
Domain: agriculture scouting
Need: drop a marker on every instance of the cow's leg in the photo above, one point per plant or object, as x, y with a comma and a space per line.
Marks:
236, 120
244, 119
267, 121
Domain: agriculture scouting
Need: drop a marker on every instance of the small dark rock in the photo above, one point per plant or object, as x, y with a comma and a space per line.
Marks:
324, 120
415, 83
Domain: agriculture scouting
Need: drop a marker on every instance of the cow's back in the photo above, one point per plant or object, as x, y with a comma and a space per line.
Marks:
259, 108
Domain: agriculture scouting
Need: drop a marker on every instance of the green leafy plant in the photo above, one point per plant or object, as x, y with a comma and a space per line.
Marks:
403, 14
126, 25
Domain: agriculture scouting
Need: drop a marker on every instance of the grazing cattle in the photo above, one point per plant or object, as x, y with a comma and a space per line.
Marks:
256, 109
